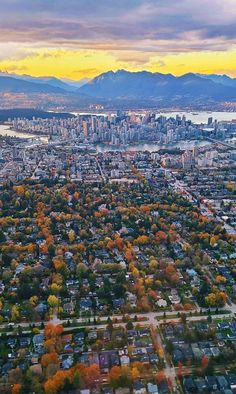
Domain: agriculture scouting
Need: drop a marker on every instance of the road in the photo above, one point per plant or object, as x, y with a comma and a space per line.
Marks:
151, 318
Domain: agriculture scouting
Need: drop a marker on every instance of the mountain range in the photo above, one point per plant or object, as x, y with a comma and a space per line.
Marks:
65, 84
156, 87
136, 88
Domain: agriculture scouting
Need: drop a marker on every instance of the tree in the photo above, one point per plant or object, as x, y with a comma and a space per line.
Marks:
220, 279
92, 376
49, 358
2, 236
33, 300
183, 318
120, 377
160, 376
129, 325
15, 313
109, 324
53, 337
55, 288
204, 362
17, 388
71, 236
15, 376
53, 301
76, 379
180, 370
142, 240
114, 377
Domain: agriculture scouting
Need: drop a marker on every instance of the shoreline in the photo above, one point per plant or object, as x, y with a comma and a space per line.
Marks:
27, 133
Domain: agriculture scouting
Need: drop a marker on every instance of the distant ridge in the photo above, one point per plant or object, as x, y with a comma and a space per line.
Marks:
15, 85
69, 85
156, 87
223, 79
121, 89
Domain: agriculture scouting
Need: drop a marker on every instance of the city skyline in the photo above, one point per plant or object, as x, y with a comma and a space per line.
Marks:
79, 39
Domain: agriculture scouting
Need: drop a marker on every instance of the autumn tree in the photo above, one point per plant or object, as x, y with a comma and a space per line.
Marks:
16, 388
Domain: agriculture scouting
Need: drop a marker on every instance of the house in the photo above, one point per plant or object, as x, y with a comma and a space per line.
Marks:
222, 382
34, 359
24, 342
84, 358
2, 287
41, 308
178, 355
124, 360
174, 297
201, 384
114, 359
197, 352
12, 342
38, 340
231, 377
79, 338
215, 351
104, 361
67, 362
162, 303
68, 307
106, 336
107, 390
139, 388
92, 335
212, 383
191, 272
85, 391
163, 387
85, 304
131, 299
189, 385
152, 388
118, 302
6, 368
154, 359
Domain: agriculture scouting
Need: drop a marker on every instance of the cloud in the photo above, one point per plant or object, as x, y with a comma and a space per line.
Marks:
161, 63
165, 24
74, 37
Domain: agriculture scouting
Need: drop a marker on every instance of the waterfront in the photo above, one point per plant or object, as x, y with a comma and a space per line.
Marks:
196, 117
202, 117
6, 131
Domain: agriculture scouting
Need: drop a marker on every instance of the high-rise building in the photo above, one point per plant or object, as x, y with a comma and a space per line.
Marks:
187, 160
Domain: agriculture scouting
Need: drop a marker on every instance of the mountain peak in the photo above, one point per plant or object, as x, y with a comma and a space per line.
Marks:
142, 86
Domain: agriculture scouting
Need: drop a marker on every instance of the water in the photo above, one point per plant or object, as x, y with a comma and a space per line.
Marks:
195, 117
202, 117
5, 130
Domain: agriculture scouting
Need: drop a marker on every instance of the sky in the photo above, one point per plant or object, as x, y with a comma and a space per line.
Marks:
78, 39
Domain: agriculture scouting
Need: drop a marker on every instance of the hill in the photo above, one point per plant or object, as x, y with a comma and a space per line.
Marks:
15, 85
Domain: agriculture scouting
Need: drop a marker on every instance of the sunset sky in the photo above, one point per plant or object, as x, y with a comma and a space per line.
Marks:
83, 38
